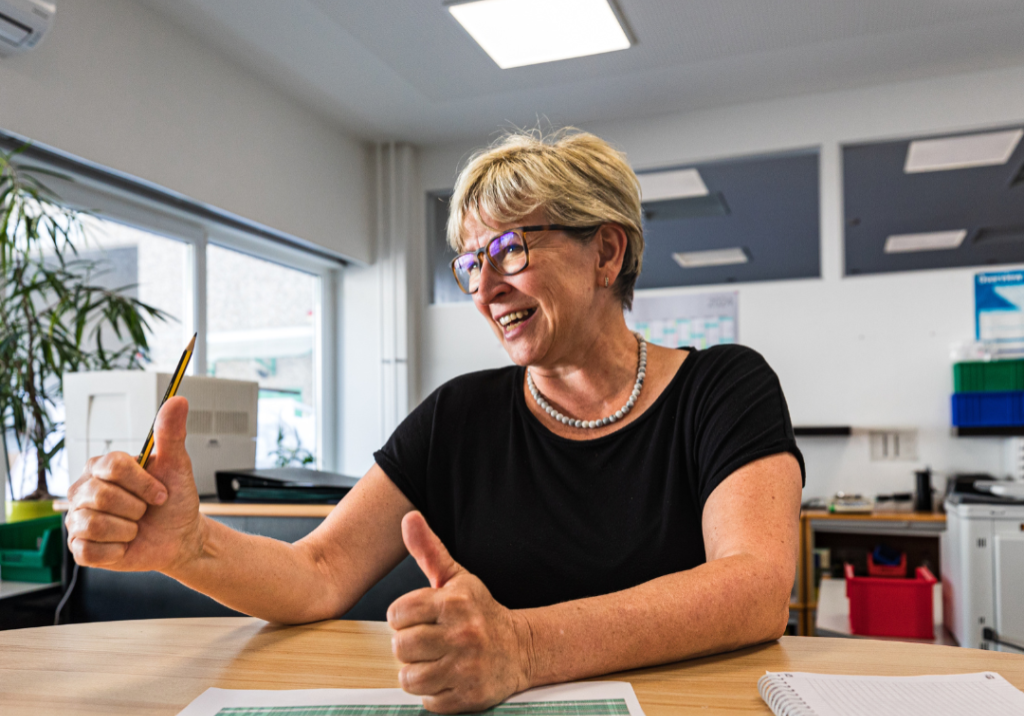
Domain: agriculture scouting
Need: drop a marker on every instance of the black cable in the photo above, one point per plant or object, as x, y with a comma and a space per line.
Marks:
67, 594
989, 634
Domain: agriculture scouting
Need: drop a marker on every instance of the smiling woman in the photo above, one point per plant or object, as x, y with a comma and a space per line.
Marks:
601, 505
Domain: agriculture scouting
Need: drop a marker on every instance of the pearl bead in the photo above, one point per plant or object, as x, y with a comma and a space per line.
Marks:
641, 373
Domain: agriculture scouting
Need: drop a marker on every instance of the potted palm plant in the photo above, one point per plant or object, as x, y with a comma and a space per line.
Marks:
54, 318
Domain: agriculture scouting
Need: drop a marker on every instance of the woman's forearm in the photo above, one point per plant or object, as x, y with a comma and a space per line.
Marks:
259, 576
721, 605
319, 577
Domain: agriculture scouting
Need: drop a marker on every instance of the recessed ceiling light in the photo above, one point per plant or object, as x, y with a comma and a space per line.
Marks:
679, 184
928, 241
527, 32
973, 150
715, 257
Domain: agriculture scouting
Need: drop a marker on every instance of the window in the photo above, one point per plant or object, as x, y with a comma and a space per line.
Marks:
262, 303
261, 322
156, 270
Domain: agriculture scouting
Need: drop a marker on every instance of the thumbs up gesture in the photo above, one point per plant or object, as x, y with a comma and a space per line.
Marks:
461, 650
129, 519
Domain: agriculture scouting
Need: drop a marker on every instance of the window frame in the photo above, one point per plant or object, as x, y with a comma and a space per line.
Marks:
121, 199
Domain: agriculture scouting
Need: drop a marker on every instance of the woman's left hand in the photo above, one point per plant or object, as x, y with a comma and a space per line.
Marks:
461, 650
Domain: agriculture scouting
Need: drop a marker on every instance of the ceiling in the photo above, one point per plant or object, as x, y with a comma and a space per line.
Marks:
881, 200
405, 70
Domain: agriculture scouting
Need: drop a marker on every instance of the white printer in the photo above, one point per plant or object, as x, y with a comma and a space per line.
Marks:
113, 410
982, 562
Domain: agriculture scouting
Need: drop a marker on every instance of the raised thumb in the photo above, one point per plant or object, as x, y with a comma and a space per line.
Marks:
169, 430
428, 550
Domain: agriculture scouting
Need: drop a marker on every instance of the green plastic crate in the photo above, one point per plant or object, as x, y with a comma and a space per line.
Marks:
30, 551
988, 376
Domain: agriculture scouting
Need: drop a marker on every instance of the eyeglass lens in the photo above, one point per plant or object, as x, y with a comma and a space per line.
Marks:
505, 253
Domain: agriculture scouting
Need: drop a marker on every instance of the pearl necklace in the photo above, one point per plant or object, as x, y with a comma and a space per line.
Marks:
641, 373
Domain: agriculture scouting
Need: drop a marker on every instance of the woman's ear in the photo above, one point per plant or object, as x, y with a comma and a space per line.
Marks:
611, 251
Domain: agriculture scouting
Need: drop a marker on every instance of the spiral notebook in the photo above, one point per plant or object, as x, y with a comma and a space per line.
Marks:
803, 694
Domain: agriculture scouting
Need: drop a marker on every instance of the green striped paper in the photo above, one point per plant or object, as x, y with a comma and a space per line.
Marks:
593, 707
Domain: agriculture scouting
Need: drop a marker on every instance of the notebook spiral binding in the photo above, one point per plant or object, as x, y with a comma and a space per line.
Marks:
781, 698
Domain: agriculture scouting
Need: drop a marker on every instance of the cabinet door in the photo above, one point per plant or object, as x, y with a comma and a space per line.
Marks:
1009, 580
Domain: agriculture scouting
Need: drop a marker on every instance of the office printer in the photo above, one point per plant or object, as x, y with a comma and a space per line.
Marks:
982, 562
283, 485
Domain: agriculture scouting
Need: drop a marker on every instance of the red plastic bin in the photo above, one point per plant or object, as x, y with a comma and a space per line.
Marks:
883, 606
887, 570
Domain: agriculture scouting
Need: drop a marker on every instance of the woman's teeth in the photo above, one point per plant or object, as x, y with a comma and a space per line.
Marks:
510, 319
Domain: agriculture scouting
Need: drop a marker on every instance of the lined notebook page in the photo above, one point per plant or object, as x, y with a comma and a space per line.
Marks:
986, 693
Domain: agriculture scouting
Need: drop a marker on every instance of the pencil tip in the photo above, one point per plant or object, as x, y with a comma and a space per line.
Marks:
192, 343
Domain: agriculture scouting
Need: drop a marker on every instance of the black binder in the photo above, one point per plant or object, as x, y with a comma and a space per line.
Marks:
283, 485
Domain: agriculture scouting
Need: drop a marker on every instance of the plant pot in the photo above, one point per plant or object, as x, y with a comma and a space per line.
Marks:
19, 510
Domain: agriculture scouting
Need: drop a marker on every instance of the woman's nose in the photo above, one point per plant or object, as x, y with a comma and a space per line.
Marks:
492, 283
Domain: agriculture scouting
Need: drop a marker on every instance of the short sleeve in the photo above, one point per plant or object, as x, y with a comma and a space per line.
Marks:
405, 456
740, 415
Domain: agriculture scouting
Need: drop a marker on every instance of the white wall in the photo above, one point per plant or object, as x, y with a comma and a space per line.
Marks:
119, 85
379, 356
866, 351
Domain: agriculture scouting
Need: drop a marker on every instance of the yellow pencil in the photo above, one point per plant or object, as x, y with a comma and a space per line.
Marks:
179, 373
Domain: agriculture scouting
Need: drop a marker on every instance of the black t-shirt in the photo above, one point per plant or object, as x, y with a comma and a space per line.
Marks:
542, 519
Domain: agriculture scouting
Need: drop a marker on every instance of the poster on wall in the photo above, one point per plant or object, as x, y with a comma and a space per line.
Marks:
700, 320
999, 308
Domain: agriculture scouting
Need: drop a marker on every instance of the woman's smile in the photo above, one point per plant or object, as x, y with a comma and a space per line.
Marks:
514, 323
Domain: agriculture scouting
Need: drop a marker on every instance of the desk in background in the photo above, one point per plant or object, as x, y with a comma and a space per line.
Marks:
109, 596
155, 668
917, 532
101, 595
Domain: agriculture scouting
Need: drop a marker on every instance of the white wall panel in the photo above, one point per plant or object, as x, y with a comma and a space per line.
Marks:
119, 85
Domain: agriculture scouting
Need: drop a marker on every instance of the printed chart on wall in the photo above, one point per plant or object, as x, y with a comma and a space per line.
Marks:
700, 320
595, 698
999, 308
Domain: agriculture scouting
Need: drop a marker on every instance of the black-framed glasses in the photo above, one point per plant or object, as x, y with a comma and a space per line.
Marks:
507, 254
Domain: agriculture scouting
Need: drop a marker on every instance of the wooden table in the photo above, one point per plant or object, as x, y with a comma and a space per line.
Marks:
245, 509
159, 666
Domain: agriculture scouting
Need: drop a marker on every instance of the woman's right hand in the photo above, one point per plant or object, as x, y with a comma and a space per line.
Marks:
129, 519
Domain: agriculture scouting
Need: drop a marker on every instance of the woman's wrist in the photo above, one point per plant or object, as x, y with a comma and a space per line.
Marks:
525, 650
198, 545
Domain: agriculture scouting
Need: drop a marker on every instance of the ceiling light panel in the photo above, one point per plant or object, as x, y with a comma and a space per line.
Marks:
928, 241
972, 150
679, 184
715, 257
528, 32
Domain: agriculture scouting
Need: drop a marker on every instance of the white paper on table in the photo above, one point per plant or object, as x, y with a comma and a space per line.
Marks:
613, 698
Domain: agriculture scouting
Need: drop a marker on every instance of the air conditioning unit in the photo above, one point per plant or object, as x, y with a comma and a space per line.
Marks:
23, 24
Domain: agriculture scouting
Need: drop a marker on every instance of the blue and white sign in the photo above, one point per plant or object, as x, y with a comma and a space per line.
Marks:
999, 307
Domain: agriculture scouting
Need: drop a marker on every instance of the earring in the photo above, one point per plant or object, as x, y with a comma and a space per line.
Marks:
606, 282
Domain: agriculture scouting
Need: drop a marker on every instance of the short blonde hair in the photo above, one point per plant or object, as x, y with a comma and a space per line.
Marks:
578, 179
